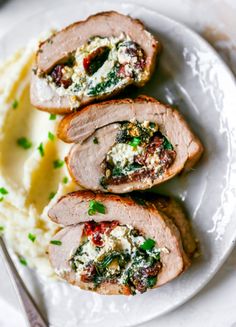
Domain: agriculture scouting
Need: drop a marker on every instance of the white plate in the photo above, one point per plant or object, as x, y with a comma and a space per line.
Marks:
191, 76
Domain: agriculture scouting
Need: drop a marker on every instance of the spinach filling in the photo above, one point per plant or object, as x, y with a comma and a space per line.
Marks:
115, 253
99, 66
140, 150
111, 79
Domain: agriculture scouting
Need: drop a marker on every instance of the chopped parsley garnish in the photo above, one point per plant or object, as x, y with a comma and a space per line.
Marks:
65, 180
95, 206
135, 141
51, 195
3, 191
24, 143
1, 228
22, 260
15, 104
148, 244
55, 242
31, 237
51, 136
52, 116
41, 149
95, 140
58, 163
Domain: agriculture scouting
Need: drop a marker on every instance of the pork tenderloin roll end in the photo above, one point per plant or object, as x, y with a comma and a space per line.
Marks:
92, 60
118, 245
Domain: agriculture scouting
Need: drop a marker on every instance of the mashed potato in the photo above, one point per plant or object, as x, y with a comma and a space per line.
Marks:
32, 167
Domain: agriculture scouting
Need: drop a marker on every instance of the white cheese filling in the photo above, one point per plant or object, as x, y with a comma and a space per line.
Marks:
123, 154
82, 83
119, 239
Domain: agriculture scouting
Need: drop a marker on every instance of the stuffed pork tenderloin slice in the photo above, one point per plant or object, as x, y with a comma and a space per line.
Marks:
126, 145
114, 245
92, 60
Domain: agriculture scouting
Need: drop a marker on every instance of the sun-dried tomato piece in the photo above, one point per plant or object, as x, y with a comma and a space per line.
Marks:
97, 239
88, 274
89, 228
156, 143
58, 78
152, 271
57, 74
167, 157
95, 60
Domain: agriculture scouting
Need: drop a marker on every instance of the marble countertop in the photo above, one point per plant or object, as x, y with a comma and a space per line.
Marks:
215, 305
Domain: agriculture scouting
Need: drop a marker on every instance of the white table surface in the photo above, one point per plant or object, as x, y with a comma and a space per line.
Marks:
215, 305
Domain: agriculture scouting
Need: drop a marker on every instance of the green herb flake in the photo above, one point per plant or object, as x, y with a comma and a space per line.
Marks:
65, 180
151, 281
95, 140
152, 125
32, 237
167, 145
22, 260
58, 163
15, 104
1, 228
111, 80
52, 116
148, 244
41, 149
24, 143
117, 171
3, 191
51, 136
1, 199
51, 195
135, 141
55, 242
95, 206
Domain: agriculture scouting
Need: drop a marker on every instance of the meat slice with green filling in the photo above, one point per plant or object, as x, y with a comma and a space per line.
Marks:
92, 60
127, 145
119, 245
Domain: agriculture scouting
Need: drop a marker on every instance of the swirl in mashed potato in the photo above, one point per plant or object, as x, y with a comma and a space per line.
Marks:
32, 170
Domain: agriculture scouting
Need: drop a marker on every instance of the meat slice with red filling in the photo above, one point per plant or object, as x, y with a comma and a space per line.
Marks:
120, 245
126, 145
92, 60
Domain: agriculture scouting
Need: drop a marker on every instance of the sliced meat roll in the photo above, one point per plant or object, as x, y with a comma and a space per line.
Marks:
127, 145
92, 60
116, 245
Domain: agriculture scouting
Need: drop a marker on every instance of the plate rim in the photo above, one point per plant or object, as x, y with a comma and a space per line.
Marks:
227, 70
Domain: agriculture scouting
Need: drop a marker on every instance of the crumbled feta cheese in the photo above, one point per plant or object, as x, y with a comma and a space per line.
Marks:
123, 154
85, 82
